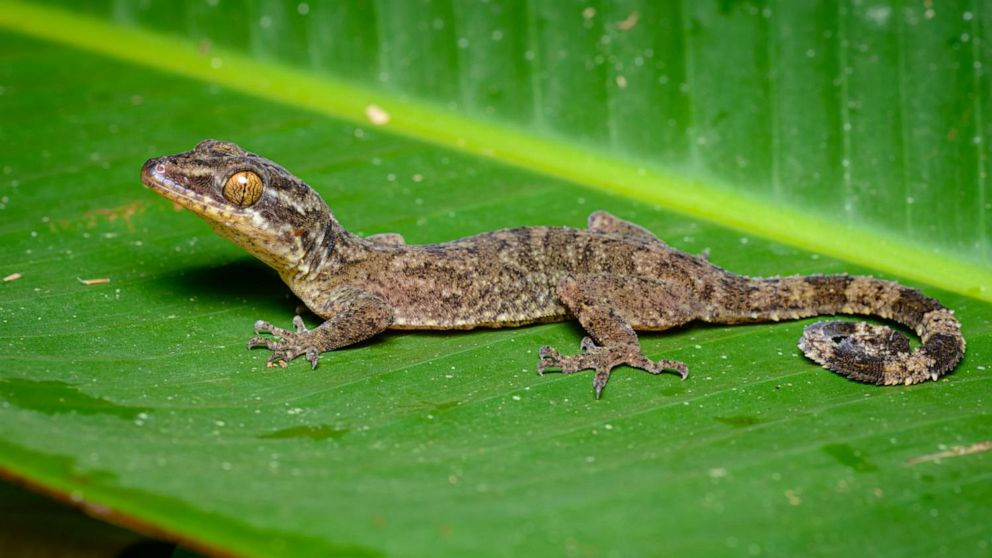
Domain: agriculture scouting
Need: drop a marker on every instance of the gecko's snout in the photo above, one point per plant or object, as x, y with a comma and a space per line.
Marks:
152, 170
147, 169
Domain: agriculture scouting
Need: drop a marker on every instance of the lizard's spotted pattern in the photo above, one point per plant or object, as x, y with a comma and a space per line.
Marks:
614, 277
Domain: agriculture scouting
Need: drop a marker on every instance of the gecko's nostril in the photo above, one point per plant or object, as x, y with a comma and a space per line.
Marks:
151, 169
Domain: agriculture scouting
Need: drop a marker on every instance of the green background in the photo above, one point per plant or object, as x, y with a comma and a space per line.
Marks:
781, 134
871, 113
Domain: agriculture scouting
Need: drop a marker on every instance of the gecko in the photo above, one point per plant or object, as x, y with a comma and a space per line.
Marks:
614, 277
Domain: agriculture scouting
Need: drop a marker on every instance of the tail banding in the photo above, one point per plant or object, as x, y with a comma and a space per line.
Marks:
860, 351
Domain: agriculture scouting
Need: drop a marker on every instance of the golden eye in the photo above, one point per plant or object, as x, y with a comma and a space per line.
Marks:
243, 188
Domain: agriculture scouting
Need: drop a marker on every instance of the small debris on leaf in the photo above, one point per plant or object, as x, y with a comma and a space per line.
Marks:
956, 451
630, 22
377, 115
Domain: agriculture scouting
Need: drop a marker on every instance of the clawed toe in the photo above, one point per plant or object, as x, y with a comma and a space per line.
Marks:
262, 326
259, 341
313, 355
663, 365
256, 342
547, 357
588, 345
599, 381
676, 365
278, 358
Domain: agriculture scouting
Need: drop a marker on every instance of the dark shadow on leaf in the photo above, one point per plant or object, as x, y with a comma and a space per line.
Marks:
738, 421
59, 398
242, 279
850, 457
314, 432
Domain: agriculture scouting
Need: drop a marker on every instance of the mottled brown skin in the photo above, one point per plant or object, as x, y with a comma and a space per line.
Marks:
614, 277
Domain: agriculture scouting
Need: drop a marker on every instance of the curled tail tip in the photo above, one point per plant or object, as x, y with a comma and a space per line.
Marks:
878, 354
856, 350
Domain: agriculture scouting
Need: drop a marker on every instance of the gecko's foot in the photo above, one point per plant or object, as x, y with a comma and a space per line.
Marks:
603, 360
289, 344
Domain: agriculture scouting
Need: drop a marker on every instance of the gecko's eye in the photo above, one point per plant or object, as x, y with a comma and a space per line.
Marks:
243, 188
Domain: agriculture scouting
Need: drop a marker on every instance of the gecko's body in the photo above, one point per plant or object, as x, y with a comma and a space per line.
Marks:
614, 277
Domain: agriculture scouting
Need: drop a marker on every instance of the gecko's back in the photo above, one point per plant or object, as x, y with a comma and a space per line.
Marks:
497, 279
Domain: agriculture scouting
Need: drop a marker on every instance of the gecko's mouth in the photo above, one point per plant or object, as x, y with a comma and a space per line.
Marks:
154, 176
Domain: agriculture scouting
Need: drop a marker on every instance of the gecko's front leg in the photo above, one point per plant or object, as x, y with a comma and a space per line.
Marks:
355, 315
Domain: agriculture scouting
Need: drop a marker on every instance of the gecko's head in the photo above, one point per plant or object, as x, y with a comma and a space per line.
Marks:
246, 198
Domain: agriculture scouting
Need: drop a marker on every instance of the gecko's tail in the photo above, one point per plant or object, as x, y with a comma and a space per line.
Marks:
861, 351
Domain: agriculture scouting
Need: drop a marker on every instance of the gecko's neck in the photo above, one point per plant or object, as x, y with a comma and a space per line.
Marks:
332, 246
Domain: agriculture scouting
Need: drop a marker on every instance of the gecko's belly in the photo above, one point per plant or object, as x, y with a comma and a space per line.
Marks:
471, 320
495, 322
491, 293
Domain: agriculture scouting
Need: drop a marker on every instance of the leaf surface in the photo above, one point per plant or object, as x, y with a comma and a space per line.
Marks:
137, 399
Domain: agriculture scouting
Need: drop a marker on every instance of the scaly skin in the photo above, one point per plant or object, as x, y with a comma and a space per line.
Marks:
614, 277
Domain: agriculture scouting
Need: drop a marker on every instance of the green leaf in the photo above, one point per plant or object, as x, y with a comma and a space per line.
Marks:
137, 400
855, 222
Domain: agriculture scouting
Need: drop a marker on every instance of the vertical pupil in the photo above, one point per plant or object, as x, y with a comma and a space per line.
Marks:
242, 188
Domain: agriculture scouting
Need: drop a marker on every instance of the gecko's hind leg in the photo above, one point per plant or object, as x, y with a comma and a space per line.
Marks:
609, 307
601, 221
603, 360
